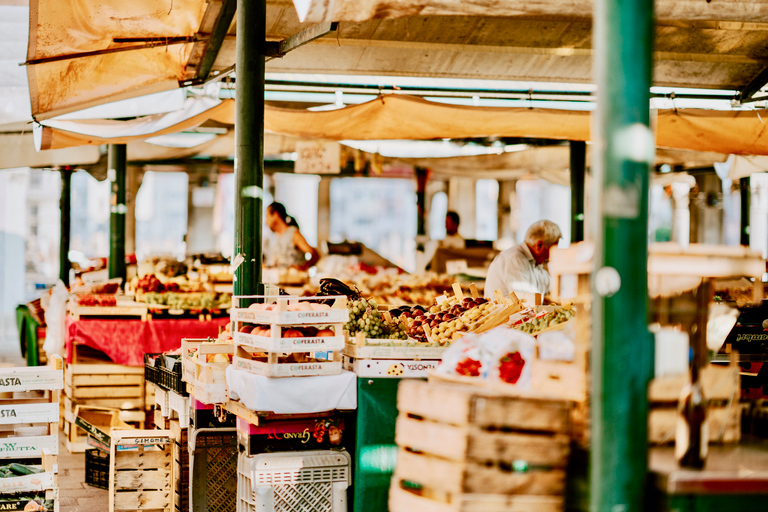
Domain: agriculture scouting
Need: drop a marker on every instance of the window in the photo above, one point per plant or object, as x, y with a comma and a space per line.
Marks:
486, 209
437, 212
538, 200
161, 215
379, 212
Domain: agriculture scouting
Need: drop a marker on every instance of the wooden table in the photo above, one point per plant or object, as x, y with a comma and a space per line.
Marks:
735, 480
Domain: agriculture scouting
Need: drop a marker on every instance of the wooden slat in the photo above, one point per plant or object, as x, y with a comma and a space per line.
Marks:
146, 460
139, 479
107, 368
462, 405
104, 392
461, 443
450, 476
106, 380
718, 383
401, 500
142, 500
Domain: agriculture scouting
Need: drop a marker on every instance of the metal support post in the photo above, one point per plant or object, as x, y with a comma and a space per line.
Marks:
116, 170
622, 351
578, 169
66, 215
744, 188
249, 145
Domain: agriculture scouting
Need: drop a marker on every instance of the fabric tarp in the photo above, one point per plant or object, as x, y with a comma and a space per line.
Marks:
360, 10
68, 28
126, 341
56, 134
405, 117
19, 151
744, 166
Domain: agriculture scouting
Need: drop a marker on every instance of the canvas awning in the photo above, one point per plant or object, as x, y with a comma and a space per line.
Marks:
56, 134
404, 117
68, 68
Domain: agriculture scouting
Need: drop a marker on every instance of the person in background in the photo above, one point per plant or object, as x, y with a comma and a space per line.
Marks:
453, 239
290, 247
523, 268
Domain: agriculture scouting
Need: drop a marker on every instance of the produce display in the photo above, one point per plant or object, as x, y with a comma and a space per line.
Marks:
15, 469
96, 300
179, 293
309, 331
393, 289
365, 317
194, 300
447, 321
532, 322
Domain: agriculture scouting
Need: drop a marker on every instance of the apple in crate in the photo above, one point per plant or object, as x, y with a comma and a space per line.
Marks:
292, 333
246, 329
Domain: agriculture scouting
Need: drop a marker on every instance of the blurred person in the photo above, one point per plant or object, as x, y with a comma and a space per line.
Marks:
453, 239
290, 246
523, 268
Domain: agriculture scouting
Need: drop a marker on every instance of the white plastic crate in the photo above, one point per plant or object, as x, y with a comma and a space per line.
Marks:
311, 481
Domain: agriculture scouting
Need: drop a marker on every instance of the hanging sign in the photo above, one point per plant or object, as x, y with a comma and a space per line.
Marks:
318, 157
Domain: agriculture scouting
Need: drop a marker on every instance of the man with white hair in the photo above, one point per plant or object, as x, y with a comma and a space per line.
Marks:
523, 268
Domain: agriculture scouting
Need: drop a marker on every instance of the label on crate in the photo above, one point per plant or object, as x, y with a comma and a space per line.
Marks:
291, 435
28, 483
29, 413
11, 447
28, 379
389, 367
304, 344
32, 502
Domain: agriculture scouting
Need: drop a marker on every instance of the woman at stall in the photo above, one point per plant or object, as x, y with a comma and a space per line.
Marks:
290, 247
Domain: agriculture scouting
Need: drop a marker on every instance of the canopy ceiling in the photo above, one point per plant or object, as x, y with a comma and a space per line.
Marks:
718, 44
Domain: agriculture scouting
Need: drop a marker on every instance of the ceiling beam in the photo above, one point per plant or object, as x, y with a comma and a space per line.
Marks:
213, 27
746, 95
525, 50
275, 49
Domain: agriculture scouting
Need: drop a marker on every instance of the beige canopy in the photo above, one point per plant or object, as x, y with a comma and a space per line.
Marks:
68, 70
405, 117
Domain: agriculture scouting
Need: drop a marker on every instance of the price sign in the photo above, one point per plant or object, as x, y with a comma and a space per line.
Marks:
318, 157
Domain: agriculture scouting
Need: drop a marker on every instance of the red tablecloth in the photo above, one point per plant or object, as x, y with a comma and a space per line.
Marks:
126, 341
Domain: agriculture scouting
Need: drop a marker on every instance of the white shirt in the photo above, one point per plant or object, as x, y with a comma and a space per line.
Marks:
515, 270
452, 242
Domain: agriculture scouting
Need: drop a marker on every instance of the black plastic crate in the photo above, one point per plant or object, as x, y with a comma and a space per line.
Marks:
97, 468
151, 371
170, 375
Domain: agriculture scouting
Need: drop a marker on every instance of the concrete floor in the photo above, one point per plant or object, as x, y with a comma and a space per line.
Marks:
75, 496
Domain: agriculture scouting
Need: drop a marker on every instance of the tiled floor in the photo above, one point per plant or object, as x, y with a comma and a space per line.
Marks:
75, 496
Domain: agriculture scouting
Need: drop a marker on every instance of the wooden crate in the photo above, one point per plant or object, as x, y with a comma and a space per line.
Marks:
206, 379
721, 387
30, 401
141, 479
181, 473
460, 443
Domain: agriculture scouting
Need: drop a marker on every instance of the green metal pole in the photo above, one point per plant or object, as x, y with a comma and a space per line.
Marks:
744, 188
117, 163
66, 210
622, 352
249, 144
578, 169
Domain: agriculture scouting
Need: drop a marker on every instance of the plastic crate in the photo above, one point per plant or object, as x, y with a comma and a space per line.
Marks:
97, 468
165, 371
213, 470
151, 372
311, 481
171, 375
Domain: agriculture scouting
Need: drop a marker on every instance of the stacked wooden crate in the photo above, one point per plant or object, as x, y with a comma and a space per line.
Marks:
179, 448
29, 420
466, 448
105, 385
140, 471
721, 387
